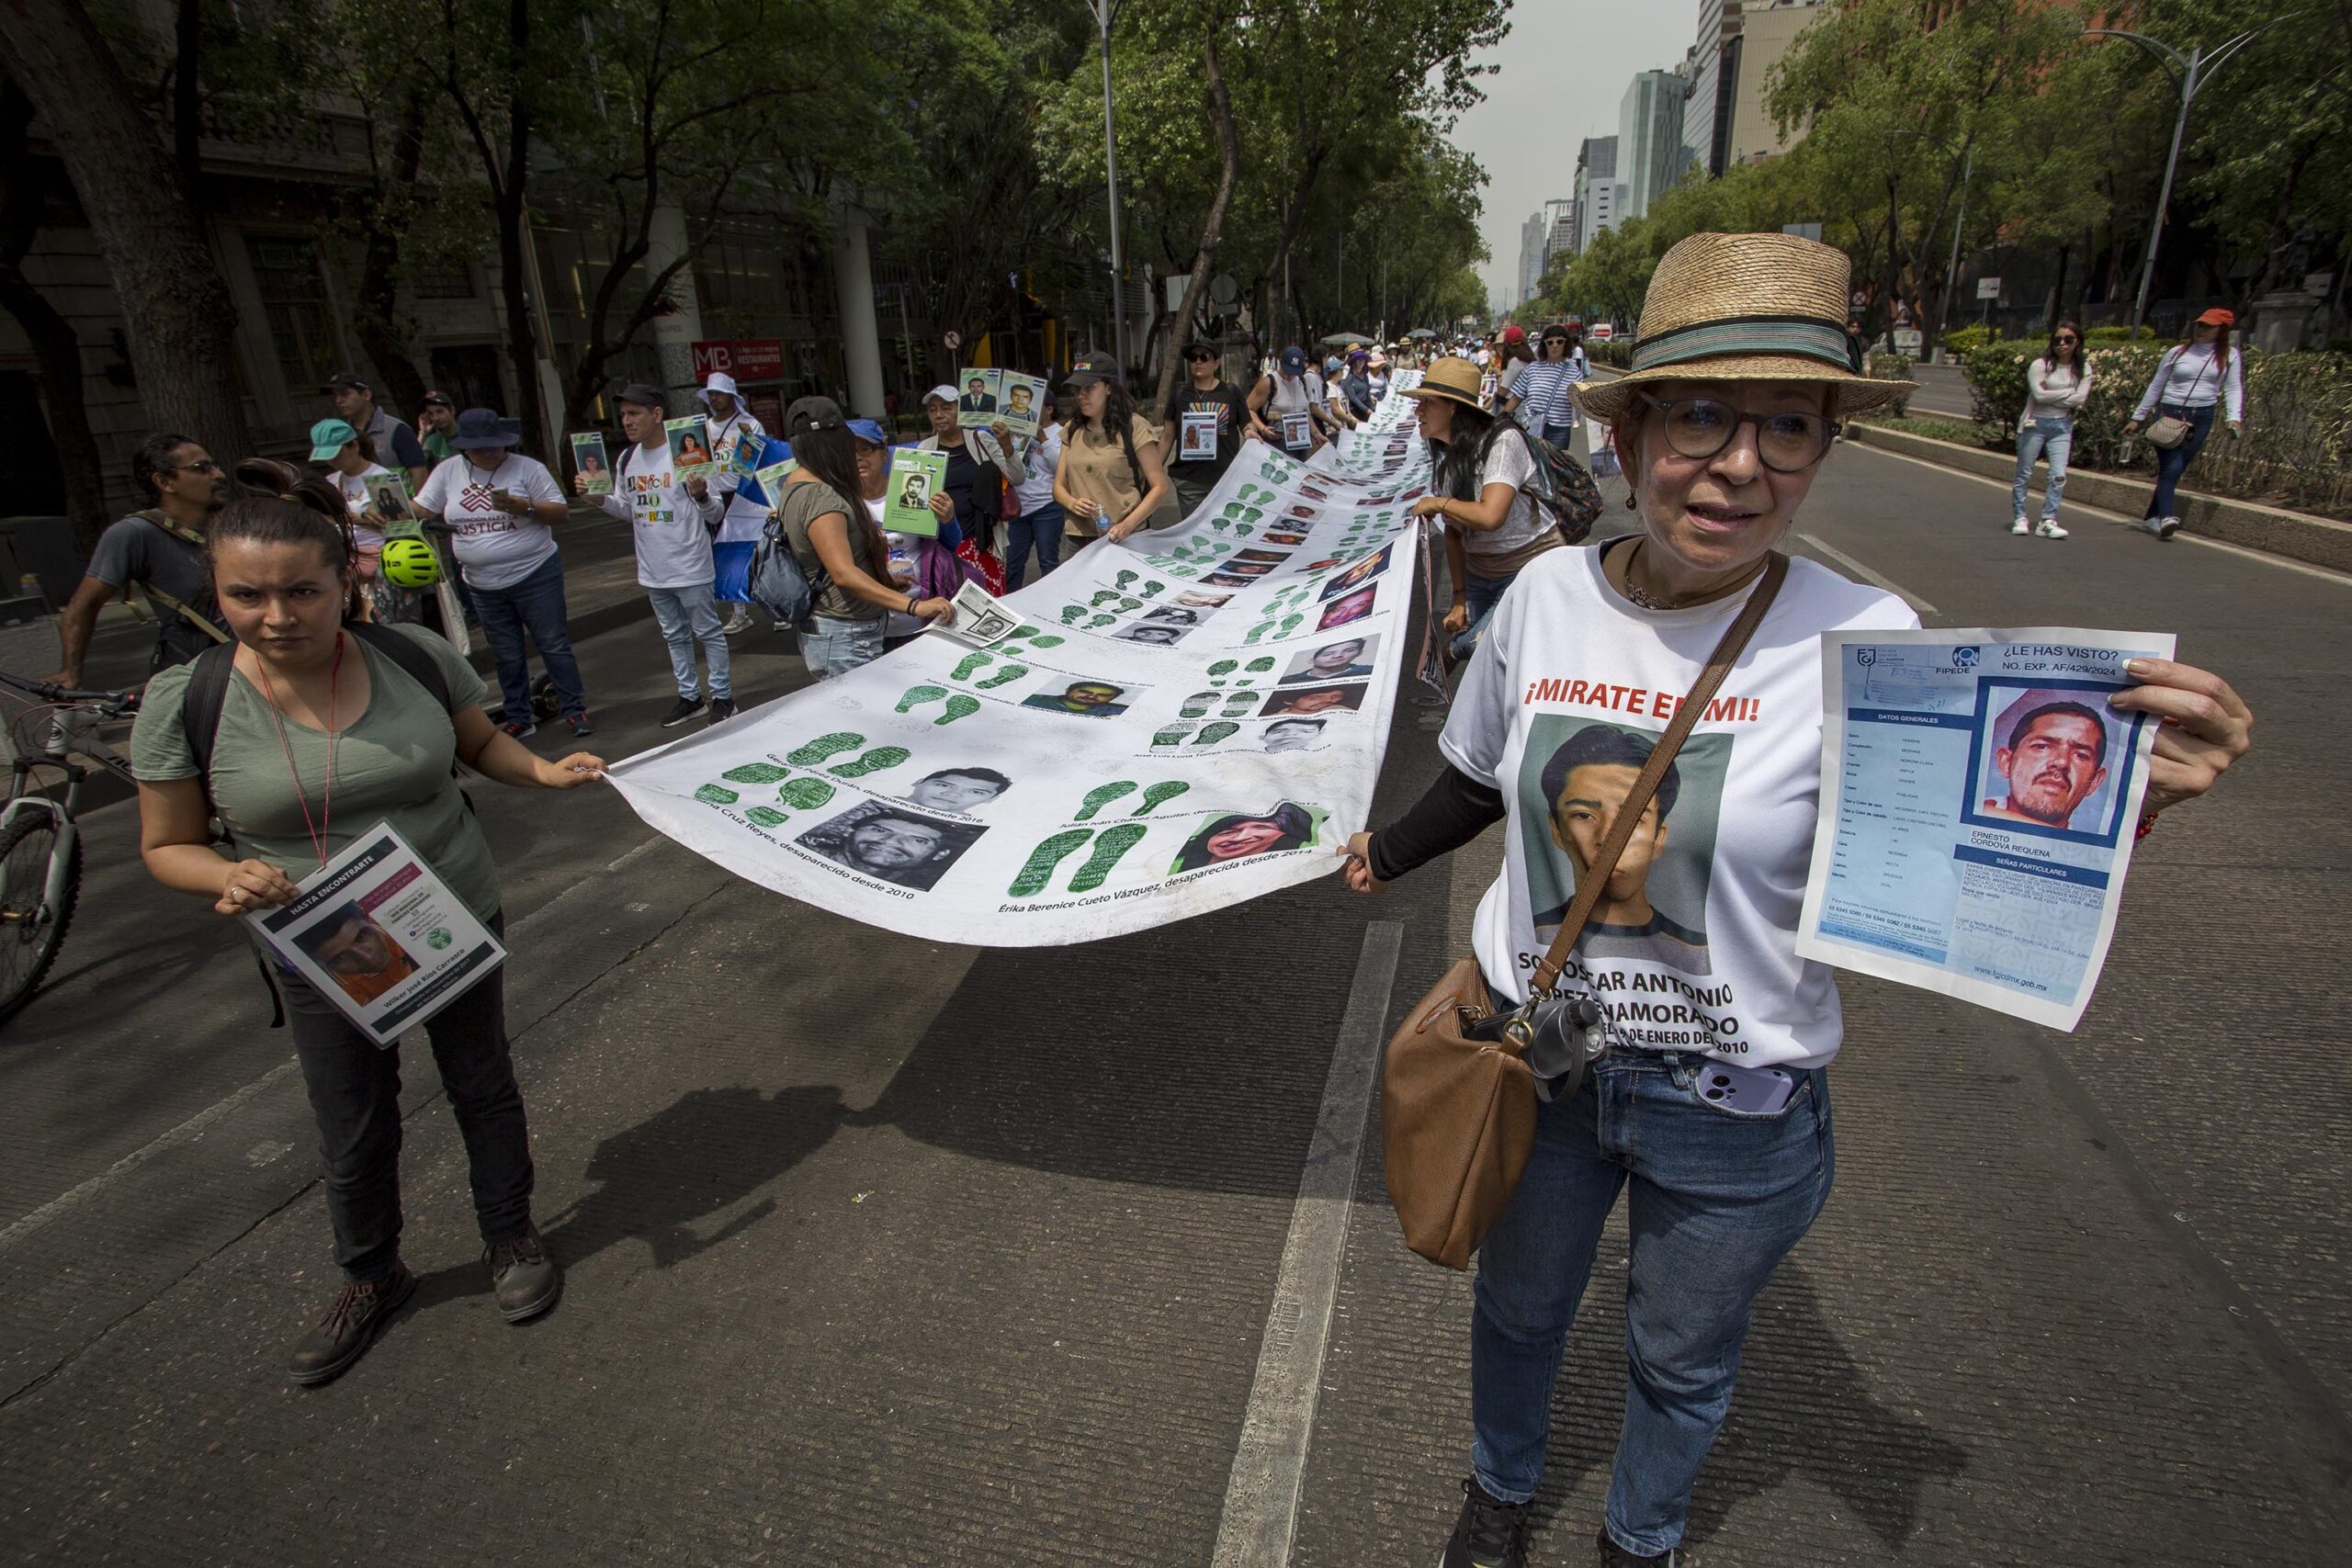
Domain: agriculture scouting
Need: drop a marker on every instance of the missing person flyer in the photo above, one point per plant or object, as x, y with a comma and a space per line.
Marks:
1978, 804
588, 461
979, 400
381, 937
388, 497
1024, 404
690, 456
915, 477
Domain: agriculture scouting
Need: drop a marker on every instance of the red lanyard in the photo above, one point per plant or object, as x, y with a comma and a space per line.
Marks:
318, 831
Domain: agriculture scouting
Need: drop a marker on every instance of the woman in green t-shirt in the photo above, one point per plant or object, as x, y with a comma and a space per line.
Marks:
321, 737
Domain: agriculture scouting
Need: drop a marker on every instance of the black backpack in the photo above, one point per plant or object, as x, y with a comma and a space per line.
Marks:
1562, 489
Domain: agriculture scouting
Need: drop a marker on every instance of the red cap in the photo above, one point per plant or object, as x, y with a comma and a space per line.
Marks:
2218, 317
1513, 335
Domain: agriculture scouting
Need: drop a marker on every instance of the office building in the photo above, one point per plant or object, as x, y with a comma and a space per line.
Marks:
1599, 195
1725, 118
1531, 235
1649, 138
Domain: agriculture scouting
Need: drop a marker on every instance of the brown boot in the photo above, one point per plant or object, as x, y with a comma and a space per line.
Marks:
523, 1278
342, 1337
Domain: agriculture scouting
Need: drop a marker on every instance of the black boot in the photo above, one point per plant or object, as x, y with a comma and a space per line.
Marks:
1488, 1534
342, 1337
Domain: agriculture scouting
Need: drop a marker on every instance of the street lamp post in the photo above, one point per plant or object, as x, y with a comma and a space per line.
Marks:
1106, 14
2189, 74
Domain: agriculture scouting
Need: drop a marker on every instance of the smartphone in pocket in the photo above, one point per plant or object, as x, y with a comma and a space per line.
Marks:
1746, 1091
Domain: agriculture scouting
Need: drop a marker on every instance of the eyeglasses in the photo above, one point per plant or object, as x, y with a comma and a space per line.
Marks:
1785, 443
2068, 337
202, 466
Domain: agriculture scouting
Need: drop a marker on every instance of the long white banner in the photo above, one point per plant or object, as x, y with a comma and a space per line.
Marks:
1175, 725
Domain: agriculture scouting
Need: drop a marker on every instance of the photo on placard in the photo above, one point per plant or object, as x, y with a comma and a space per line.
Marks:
1295, 734
1348, 607
915, 477
957, 790
1349, 659
893, 844
1231, 580
979, 400
1369, 567
1273, 537
364, 957
1237, 567
588, 461
1153, 633
1305, 513
387, 496
1240, 836
1024, 404
1573, 774
1200, 598
2052, 761
1270, 558
1309, 700
690, 456
1196, 436
1086, 699
1178, 614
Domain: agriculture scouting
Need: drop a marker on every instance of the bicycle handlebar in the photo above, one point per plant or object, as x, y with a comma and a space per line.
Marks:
48, 693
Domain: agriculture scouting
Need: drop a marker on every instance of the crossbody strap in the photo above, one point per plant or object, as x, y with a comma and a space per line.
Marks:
1678, 730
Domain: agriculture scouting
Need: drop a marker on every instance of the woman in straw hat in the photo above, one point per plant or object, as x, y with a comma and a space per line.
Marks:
1712, 1104
1482, 466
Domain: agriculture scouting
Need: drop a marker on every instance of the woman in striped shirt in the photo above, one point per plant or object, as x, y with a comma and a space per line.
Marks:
1540, 399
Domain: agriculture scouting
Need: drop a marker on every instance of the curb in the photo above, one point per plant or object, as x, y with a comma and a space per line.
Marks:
2296, 536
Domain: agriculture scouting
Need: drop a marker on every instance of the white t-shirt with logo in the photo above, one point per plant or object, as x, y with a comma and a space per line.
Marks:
672, 529
355, 496
495, 549
1694, 947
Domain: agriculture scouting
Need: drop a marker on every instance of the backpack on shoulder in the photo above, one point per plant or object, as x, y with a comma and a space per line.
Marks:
776, 583
1561, 487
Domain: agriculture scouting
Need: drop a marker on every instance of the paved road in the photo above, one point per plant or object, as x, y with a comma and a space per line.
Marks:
1944, 393
885, 1250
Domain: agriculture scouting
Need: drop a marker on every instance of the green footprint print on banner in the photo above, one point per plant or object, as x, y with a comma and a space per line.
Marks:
1019, 631
1123, 580
1048, 640
1261, 629
1290, 624
1072, 614
1199, 702
1048, 854
716, 795
1101, 796
1246, 700
831, 744
805, 795
1244, 529
1115, 842
1152, 588
958, 706
1212, 733
916, 696
1129, 606
765, 817
874, 761
1222, 668
1103, 596
968, 663
1173, 735
1011, 672
757, 773
1259, 665
1100, 621
1159, 794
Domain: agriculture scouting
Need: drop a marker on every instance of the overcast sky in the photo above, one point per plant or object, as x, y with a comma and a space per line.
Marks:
1565, 67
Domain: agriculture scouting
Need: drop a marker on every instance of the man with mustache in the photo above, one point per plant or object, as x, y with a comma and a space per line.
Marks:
2055, 759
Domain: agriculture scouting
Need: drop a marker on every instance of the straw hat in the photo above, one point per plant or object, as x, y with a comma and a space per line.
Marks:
1745, 308
1455, 380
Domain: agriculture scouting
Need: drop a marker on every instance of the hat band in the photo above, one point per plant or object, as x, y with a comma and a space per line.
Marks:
1808, 337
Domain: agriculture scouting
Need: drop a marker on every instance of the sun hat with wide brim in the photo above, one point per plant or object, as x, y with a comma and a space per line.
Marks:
1745, 308
1454, 380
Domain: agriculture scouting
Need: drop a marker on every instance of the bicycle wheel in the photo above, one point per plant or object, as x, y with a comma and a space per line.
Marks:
28, 943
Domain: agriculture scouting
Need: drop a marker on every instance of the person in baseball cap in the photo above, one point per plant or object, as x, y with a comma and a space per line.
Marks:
396, 445
437, 423
1288, 392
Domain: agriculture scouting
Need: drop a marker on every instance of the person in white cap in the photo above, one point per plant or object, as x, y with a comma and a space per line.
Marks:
728, 421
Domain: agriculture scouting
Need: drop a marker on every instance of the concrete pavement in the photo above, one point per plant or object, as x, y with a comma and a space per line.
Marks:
881, 1249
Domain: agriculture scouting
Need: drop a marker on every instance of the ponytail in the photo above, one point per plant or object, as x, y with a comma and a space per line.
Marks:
291, 508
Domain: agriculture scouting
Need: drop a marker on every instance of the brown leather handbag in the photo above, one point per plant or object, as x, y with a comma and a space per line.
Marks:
1457, 1097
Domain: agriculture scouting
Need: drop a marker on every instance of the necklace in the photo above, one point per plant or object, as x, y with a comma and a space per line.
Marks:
318, 831
1648, 602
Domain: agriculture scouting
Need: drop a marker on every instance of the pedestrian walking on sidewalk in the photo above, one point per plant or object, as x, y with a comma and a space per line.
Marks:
2195, 377
672, 524
728, 422
2057, 386
501, 508
837, 547
320, 732
1204, 422
160, 548
1481, 467
1742, 373
1543, 397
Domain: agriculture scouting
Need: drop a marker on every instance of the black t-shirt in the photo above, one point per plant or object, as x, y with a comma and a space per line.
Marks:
964, 488
1232, 410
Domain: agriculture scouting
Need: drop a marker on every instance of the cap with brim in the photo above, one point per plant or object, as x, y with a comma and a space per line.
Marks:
437, 400
944, 392
870, 432
1745, 308
482, 429
1091, 369
812, 413
1454, 380
329, 437
343, 379
2218, 317
645, 395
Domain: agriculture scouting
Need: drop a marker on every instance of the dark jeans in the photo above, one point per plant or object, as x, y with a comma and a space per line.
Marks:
1192, 481
1482, 594
2172, 463
354, 1089
536, 606
1042, 528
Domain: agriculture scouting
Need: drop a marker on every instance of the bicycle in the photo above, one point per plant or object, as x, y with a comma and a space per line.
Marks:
41, 845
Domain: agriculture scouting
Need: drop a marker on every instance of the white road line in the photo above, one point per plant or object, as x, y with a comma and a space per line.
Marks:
1262, 1496
1875, 579
2304, 569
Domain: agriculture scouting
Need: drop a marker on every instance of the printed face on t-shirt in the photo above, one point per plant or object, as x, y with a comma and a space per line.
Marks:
1590, 799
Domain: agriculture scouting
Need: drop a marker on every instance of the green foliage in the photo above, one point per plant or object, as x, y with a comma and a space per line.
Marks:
1883, 366
1964, 341
1950, 429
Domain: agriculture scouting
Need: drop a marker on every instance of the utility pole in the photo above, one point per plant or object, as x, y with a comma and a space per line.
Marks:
1106, 14
2189, 74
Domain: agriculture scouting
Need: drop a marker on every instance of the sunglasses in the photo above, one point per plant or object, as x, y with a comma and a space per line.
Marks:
1785, 443
2068, 337
1200, 358
202, 466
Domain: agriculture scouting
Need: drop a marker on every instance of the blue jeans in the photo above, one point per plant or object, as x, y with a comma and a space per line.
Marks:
1483, 593
688, 615
832, 646
1717, 1201
2171, 464
2054, 438
1043, 528
533, 605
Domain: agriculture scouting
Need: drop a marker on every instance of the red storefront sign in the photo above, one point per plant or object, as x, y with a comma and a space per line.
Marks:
745, 358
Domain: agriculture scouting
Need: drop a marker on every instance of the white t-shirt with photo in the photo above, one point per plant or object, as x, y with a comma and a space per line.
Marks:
1695, 947
671, 528
496, 548
355, 496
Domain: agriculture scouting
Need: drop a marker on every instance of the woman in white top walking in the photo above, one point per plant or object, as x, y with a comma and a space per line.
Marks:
2057, 386
2191, 380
